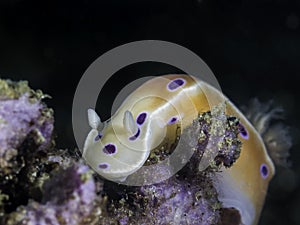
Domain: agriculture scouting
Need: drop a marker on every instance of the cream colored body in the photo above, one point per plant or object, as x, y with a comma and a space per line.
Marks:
240, 186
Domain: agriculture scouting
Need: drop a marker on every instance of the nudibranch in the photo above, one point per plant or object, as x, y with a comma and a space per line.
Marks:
120, 146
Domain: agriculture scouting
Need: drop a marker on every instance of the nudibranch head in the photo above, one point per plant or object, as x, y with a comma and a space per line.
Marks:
122, 144
120, 150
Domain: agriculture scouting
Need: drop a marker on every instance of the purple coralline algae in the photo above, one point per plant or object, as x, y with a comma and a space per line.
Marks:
182, 202
26, 127
23, 119
187, 197
39, 183
69, 197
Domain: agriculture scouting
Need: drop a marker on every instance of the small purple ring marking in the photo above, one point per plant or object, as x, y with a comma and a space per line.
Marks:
173, 120
264, 171
103, 166
175, 84
141, 118
134, 137
98, 137
243, 131
110, 149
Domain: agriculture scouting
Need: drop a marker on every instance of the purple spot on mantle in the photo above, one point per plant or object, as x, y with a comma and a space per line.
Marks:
110, 149
173, 120
264, 171
98, 137
132, 138
243, 131
103, 166
141, 118
174, 84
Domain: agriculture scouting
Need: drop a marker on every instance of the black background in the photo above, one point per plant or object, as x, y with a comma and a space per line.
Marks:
253, 48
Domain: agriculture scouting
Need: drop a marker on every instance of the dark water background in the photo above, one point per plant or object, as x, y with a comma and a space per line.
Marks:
253, 48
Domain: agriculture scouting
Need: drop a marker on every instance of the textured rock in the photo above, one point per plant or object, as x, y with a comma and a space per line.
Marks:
68, 198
